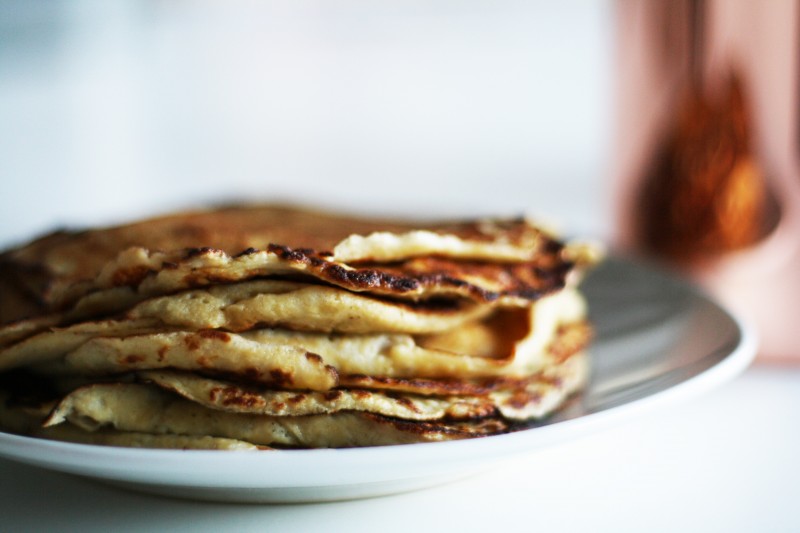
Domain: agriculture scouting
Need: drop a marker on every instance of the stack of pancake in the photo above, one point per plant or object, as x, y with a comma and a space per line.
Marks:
257, 327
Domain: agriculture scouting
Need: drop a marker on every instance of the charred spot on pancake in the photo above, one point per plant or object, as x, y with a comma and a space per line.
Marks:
288, 254
314, 358
332, 395
214, 334
197, 252
552, 246
408, 404
215, 393
297, 398
233, 396
360, 278
252, 373
192, 342
520, 399
246, 252
333, 373
281, 378
130, 276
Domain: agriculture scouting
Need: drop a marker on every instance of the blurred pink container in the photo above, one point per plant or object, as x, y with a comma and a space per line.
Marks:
660, 46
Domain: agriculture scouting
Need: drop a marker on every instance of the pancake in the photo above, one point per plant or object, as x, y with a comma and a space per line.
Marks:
210, 409
52, 343
236, 397
137, 274
22, 420
189, 250
532, 398
81, 255
245, 305
278, 327
513, 343
302, 306
147, 409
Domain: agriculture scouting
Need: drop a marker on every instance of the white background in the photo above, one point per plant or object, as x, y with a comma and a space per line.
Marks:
110, 110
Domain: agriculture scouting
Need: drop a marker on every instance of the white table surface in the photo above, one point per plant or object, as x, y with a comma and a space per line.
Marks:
725, 461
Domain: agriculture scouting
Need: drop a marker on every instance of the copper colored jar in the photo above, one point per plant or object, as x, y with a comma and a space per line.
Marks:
707, 152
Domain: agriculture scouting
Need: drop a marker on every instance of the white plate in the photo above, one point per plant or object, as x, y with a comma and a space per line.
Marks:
658, 340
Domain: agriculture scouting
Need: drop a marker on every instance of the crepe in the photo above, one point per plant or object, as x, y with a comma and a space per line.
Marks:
279, 327
512, 343
530, 398
201, 248
353, 418
142, 408
64, 257
29, 422
301, 306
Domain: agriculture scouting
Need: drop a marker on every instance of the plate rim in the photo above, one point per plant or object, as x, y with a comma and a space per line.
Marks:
299, 469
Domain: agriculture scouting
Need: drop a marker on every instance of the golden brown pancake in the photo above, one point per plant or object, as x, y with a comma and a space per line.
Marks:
265, 326
81, 255
512, 343
147, 409
205, 247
